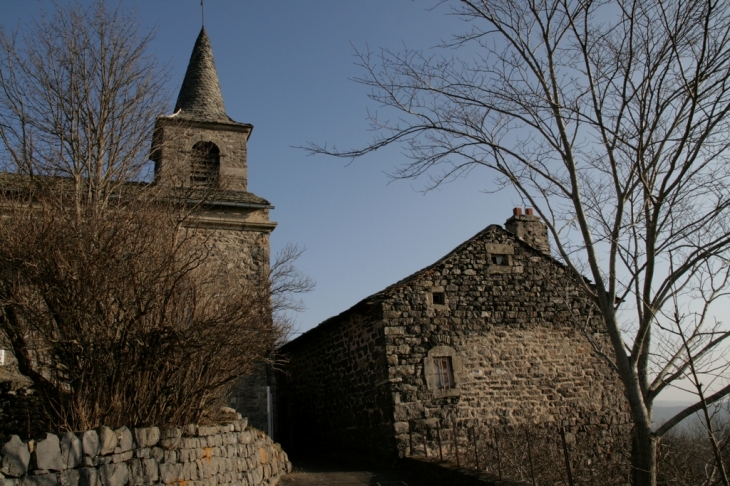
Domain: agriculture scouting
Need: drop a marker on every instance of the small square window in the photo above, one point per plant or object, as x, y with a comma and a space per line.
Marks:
443, 372
439, 298
500, 260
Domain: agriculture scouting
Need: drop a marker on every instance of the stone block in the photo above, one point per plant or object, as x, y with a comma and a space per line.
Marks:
207, 431
88, 476
170, 438
171, 472
122, 457
124, 440
90, 443
39, 480
401, 427
157, 453
107, 440
136, 475
47, 454
258, 475
151, 471
71, 450
147, 437
205, 468
69, 477
190, 471
114, 474
15, 457
170, 456
143, 453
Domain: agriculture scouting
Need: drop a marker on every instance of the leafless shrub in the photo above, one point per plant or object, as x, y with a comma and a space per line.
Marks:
108, 297
120, 318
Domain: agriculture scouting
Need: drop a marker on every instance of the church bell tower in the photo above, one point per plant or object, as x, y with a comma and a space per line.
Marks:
200, 153
199, 146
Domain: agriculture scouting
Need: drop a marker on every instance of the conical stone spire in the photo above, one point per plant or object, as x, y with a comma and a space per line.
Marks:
200, 96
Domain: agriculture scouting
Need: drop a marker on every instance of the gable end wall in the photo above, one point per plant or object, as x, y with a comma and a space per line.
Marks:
517, 332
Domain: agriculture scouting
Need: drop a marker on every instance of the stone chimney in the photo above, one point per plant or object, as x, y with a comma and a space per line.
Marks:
529, 228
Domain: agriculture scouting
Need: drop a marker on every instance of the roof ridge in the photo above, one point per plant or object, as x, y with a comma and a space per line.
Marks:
375, 297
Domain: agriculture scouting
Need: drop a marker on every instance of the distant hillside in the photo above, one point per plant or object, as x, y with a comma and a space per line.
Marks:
664, 411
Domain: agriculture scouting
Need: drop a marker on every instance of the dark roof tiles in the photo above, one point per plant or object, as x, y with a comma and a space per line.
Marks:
19, 183
200, 96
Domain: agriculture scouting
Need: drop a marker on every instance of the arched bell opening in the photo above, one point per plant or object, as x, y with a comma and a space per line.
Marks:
206, 162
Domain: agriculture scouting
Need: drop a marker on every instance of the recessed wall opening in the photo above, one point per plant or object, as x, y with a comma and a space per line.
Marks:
500, 259
205, 165
443, 372
439, 298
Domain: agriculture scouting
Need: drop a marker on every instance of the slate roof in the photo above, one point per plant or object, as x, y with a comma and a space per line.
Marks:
13, 182
222, 197
378, 296
200, 96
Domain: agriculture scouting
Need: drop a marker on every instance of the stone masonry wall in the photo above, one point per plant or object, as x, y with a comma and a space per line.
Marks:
517, 332
331, 395
188, 456
175, 140
249, 397
240, 255
509, 318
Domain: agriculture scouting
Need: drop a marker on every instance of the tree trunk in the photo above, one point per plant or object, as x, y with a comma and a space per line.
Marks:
643, 456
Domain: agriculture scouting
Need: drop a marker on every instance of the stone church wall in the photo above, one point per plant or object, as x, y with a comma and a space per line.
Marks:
250, 397
242, 255
238, 253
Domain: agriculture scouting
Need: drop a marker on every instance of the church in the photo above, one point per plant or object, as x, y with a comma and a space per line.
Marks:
497, 331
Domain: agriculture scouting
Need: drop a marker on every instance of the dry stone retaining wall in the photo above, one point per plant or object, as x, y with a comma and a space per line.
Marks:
189, 456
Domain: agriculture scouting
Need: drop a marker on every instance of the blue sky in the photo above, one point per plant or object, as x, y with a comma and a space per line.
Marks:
285, 67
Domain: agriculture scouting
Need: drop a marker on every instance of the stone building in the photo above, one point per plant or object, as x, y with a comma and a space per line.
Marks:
201, 153
201, 149
493, 333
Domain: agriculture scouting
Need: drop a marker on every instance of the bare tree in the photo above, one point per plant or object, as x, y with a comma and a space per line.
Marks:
108, 297
611, 118
78, 99
121, 318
